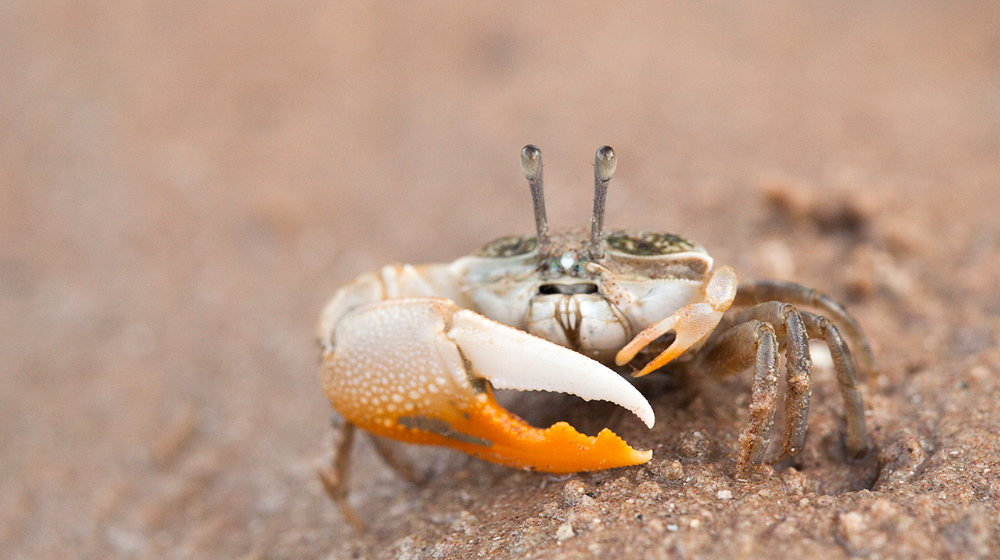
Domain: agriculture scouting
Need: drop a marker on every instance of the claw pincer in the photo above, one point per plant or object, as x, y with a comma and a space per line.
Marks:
412, 369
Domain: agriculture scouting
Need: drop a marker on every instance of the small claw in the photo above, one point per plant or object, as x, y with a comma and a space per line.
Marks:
691, 323
416, 370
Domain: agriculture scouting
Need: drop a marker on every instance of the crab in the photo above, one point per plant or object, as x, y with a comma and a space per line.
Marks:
414, 353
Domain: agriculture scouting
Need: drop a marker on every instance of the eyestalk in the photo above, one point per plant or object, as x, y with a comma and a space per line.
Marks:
531, 165
604, 169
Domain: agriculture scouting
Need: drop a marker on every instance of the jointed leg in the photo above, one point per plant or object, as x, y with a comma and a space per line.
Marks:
759, 291
392, 455
817, 326
334, 476
752, 342
790, 331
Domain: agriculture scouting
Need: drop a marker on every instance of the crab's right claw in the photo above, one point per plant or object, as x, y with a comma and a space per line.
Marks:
422, 370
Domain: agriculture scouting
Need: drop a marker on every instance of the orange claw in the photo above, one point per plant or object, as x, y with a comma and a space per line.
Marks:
422, 370
486, 430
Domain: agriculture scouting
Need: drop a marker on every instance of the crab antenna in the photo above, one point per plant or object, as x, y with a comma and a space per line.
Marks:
531, 165
604, 169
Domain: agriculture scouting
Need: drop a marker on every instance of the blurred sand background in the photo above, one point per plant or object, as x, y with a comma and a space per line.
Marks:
183, 184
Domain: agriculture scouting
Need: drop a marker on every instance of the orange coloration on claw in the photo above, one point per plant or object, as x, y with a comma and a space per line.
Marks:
413, 383
485, 429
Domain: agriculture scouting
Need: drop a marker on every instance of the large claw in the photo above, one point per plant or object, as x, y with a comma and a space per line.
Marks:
416, 370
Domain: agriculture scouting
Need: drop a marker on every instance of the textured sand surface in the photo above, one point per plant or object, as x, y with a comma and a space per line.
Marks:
183, 184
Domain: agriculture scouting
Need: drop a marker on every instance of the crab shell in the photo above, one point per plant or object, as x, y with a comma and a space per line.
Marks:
413, 353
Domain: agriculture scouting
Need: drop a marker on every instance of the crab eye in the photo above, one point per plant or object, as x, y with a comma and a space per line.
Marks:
649, 244
510, 246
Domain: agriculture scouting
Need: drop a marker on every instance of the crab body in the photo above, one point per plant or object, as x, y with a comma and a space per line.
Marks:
591, 306
413, 353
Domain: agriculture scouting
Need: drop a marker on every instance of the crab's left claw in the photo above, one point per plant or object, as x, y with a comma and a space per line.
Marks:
422, 370
691, 323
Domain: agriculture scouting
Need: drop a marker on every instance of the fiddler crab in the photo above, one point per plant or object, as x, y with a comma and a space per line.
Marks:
413, 353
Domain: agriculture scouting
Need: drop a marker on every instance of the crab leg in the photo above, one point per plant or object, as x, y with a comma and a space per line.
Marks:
761, 291
334, 476
421, 370
691, 323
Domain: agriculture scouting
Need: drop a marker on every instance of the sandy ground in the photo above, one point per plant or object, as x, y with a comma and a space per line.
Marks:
183, 184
